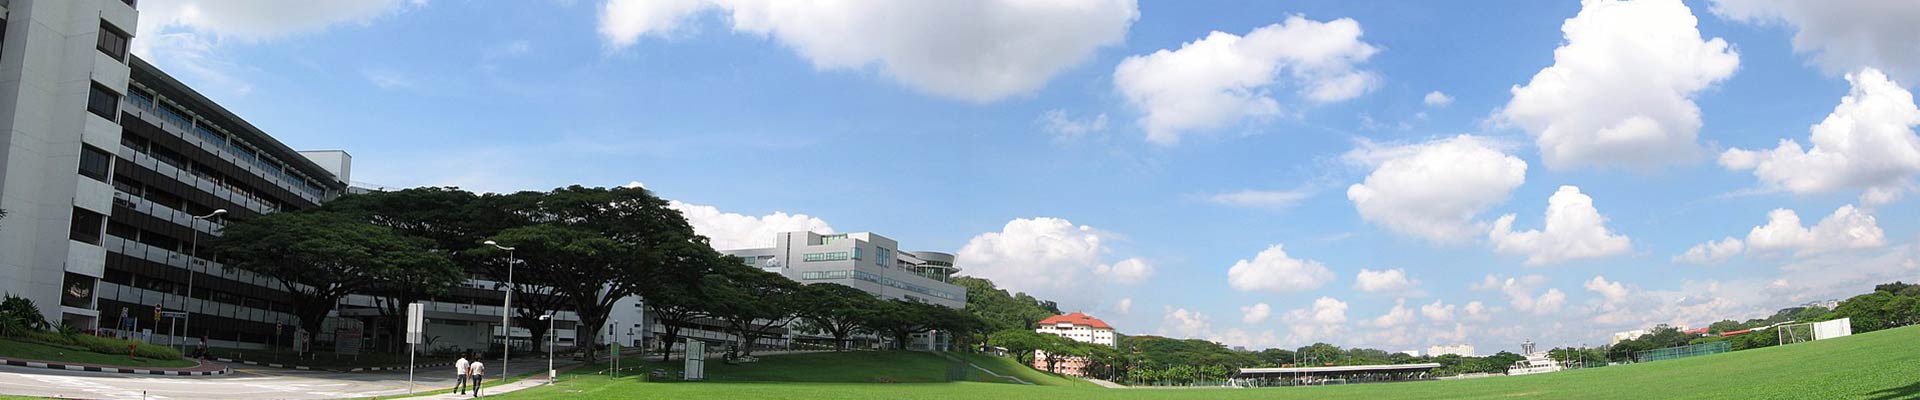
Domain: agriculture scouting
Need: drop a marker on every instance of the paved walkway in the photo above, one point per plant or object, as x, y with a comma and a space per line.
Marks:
490, 390
1105, 384
246, 382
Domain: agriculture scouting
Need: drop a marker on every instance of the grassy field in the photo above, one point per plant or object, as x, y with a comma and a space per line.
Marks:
36, 351
1881, 365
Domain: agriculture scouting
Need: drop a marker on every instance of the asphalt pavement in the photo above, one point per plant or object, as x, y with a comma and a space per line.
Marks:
246, 382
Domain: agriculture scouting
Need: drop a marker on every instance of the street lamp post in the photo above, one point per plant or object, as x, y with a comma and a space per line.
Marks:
506, 308
190, 258
549, 319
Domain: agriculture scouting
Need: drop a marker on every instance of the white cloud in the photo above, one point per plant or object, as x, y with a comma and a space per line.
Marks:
1126, 305
1574, 230
1270, 199
1612, 292
185, 36
1064, 127
1255, 313
1846, 228
634, 185
1439, 311
1224, 78
1477, 311
1049, 257
1182, 323
1273, 270
1519, 292
1325, 320
387, 79
1843, 35
1435, 189
1868, 142
727, 231
1127, 272
1620, 91
1389, 280
1399, 315
1437, 99
1712, 252
979, 51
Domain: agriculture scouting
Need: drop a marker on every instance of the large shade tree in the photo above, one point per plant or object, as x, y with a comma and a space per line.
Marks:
450, 218
320, 257
654, 244
835, 309
751, 302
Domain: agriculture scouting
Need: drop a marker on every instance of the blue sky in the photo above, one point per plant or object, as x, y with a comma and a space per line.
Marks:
1233, 187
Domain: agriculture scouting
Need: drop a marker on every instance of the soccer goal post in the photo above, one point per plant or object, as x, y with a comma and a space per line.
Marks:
1796, 333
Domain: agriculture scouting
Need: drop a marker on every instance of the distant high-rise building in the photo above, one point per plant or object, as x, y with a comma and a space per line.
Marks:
1463, 350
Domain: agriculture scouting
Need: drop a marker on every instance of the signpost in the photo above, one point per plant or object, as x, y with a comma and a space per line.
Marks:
172, 335
416, 327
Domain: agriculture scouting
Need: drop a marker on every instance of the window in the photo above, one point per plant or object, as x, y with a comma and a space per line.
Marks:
103, 102
113, 42
828, 256
86, 226
94, 163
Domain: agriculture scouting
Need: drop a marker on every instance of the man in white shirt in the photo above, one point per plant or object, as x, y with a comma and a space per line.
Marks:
475, 371
460, 372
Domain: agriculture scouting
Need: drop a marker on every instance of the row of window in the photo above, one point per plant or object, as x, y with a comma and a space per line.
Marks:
831, 256
202, 171
875, 278
247, 154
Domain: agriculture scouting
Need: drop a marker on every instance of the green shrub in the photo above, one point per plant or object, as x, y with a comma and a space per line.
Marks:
19, 317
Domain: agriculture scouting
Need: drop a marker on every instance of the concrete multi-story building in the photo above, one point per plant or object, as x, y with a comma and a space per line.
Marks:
864, 261
1081, 328
110, 174
1463, 350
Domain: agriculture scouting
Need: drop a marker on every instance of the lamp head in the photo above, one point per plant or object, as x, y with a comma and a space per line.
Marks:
490, 243
546, 317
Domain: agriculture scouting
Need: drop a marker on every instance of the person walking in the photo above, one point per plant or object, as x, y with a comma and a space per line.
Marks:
476, 371
460, 374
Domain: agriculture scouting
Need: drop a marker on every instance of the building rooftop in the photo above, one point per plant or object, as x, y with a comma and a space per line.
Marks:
1076, 318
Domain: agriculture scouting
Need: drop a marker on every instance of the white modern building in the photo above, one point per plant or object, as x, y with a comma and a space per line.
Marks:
1463, 350
1081, 328
866, 261
110, 173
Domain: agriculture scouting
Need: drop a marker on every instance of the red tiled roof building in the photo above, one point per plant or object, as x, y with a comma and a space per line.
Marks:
1079, 327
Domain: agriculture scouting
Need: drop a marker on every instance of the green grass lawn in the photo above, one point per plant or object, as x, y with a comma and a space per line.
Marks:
35, 351
1881, 365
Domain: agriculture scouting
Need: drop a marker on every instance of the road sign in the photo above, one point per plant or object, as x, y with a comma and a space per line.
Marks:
173, 314
416, 322
696, 369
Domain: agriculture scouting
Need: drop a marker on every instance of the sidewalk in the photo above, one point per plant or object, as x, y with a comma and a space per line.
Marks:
491, 390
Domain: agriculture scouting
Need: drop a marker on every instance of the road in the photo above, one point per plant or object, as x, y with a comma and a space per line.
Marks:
246, 382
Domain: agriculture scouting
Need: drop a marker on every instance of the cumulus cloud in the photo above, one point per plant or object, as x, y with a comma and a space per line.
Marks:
1612, 292
1125, 306
1399, 315
1064, 127
1273, 270
1255, 313
1477, 311
1127, 272
1868, 142
1182, 323
1520, 295
1575, 230
727, 231
1437, 99
1224, 78
1712, 252
1326, 319
1433, 190
1389, 280
1439, 311
1049, 257
979, 51
1846, 228
1620, 91
1842, 35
